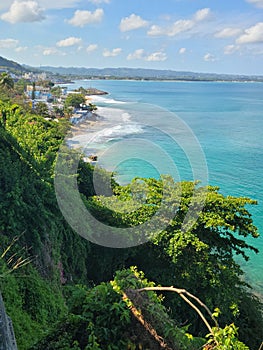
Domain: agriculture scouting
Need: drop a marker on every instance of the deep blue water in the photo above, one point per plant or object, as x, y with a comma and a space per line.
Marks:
227, 120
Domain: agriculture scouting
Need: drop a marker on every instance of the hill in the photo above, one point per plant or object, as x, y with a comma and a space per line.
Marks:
11, 65
142, 73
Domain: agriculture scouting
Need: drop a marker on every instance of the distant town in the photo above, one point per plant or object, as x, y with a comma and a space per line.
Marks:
44, 94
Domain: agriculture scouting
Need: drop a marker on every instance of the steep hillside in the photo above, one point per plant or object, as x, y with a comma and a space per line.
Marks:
70, 295
11, 65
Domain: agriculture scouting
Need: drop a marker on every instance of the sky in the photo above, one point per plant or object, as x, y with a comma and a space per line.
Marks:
223, 36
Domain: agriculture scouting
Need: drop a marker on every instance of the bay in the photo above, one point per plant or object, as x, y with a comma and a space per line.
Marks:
225, 117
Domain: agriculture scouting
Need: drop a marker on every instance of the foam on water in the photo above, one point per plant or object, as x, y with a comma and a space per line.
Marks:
114, 124
106, 100
226, 118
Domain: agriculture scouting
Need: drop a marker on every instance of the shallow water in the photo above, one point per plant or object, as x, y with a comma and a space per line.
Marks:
226, 119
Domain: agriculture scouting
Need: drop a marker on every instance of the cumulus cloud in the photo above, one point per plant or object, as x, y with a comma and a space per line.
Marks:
141, 55
132, 22
202, 14
230, 49
82, 18
112, 53
156, 31
209, 57
228, 32
8, 43
136, 55
24, 11
91, 48
257, 3
182, 50
21, 48
46, 4
157, 57
253, 34
182, 25
52, 51
69, 42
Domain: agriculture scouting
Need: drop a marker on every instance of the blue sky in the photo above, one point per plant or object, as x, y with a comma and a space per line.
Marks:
192, 35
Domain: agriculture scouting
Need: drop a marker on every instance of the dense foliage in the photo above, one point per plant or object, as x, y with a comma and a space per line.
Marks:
68, 280
104, 317
74, 100
201, 259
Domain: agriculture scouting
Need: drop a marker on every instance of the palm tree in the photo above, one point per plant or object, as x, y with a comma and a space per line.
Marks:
6, 81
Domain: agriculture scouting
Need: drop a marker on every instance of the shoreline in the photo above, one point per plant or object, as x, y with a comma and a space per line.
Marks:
83, 126
103, 120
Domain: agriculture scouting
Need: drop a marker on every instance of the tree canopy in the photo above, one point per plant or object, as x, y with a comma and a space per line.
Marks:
74, 100
77, 280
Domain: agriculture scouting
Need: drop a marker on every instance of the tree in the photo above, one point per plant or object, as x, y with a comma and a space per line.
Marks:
200, 258
33, 95
74, 100
56, 91
6, 81
81, 90
41, 108
92, 107
46, 83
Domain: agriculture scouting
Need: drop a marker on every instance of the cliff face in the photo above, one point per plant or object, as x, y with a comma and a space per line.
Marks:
7, 336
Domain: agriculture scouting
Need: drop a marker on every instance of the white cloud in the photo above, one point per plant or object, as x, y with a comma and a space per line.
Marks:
202, 14
21, 49
156, 56
46, 4
24, 11
182, 50
230, 49
253, 34
228, 32
141, 55
98, 2
69, 42
112, 53
209, 57
257, 3
136, 55
81, 18
156, 31
182, 25
8, 43
92, 47
132, 22
52, 51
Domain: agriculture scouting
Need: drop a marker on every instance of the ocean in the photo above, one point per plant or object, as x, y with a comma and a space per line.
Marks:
207, 131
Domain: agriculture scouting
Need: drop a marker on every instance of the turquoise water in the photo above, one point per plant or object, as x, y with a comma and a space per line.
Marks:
226, 118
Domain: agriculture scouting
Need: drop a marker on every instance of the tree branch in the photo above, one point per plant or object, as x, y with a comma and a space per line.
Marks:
183, 293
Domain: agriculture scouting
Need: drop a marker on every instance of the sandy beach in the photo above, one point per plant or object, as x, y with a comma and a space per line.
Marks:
89, 124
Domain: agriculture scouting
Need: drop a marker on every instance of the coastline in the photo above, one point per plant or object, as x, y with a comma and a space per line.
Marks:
87, 128
85, 125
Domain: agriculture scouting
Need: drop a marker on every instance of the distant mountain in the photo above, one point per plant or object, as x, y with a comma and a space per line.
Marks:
141, 73
11, 65
124, 73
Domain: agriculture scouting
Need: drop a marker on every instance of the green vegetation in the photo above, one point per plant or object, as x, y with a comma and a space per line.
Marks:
74, 100
78, 295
